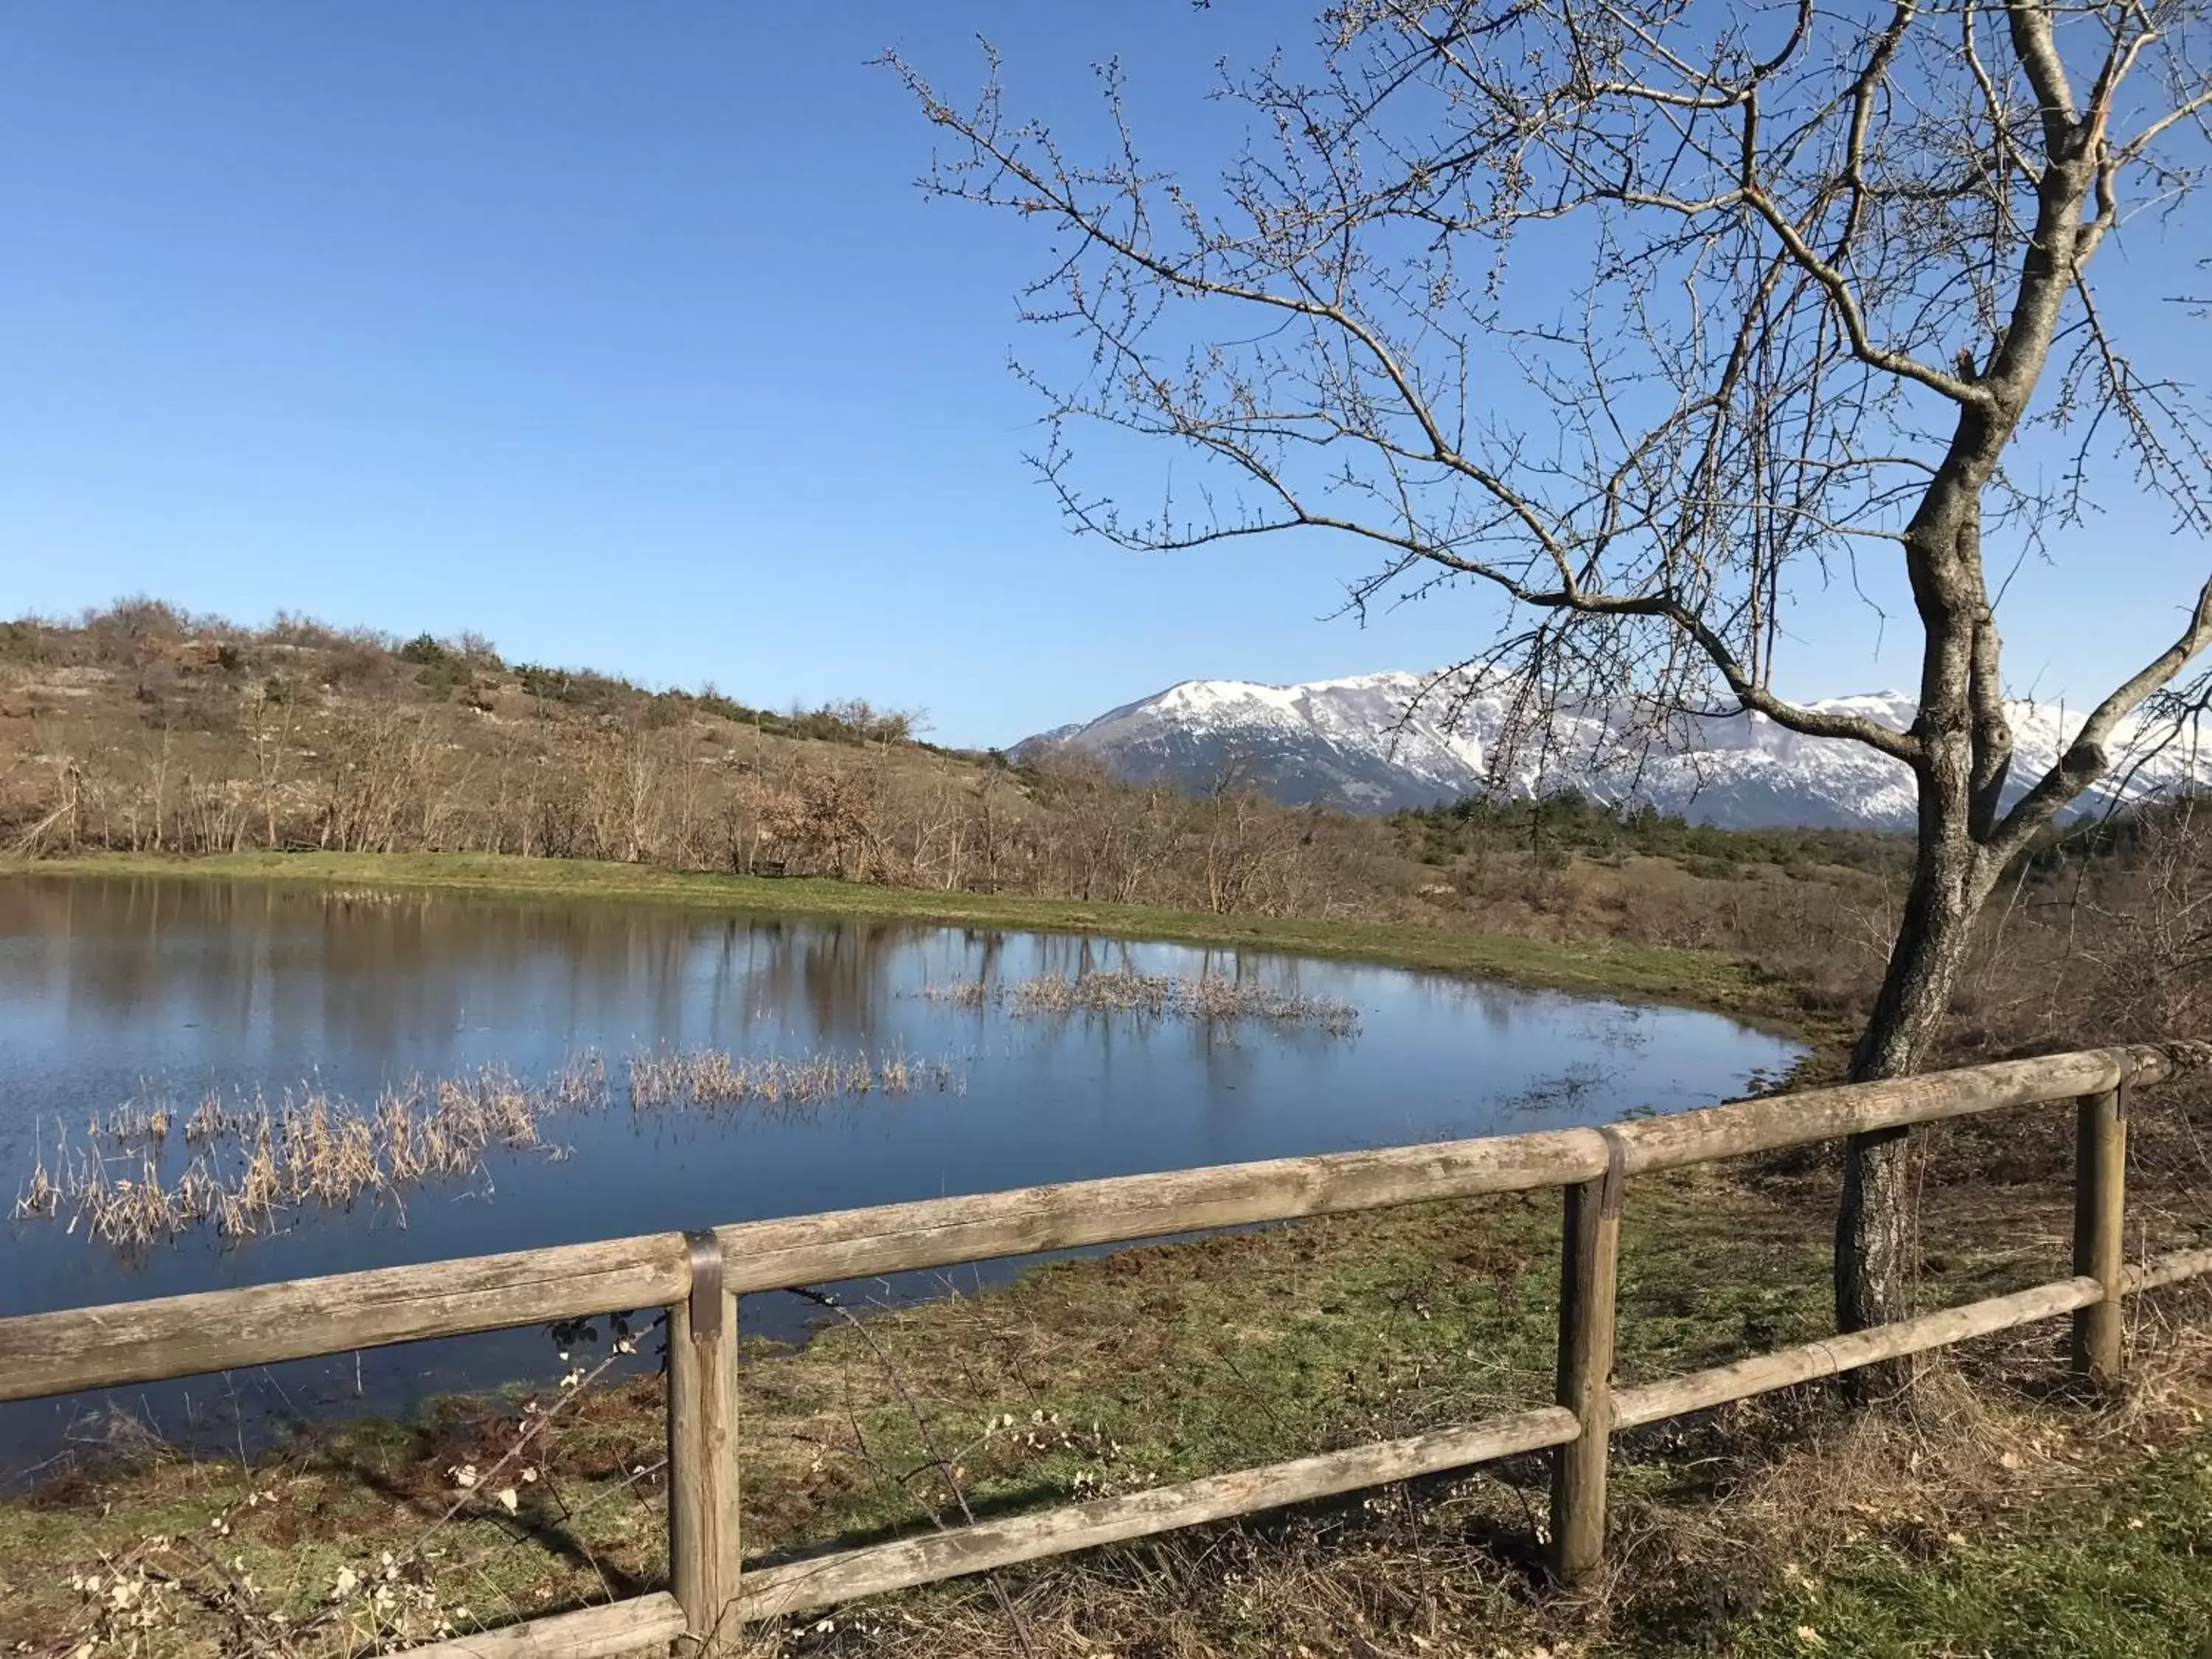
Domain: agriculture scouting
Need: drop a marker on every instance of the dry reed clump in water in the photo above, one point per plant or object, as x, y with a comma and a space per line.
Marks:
244, 1161
146, 1172
1209, 997
713, 1077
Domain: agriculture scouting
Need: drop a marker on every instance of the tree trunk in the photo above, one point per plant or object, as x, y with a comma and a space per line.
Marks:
1874, 1223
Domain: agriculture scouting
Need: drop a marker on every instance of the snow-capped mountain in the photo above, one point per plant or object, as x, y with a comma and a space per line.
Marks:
1352, 742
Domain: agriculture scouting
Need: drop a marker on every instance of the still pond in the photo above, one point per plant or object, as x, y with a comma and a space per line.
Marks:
610, 1070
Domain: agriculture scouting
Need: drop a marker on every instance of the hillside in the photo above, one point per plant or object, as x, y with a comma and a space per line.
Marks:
142, 729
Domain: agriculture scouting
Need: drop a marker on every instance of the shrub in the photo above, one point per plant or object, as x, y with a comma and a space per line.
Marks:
578, 688
551, 683
19, 641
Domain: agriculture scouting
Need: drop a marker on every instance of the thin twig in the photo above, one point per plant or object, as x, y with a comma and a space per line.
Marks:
944, 1465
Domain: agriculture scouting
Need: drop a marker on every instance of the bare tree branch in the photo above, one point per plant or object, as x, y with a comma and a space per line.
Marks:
2086, 759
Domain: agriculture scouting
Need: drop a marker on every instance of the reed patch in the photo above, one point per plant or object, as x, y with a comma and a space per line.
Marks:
149, 1170
1212, 999
713, 1077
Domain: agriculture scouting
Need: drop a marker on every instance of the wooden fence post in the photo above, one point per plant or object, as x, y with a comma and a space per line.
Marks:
1588, 1262
702, 1456
2101, 1165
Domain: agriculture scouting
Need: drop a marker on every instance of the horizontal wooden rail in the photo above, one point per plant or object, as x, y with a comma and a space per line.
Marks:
1650, 1402
260, 1324
876, 1569
795, 1586
1797, 1119
762, 1255
936, 1232
2163, 1270
600, 1632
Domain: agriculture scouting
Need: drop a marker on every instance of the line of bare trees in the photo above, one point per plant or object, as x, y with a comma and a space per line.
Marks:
373, 774
139, 728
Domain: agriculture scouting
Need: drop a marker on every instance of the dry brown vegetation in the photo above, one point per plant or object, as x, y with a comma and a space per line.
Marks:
713, 1077
139, 729
149, 1170
1211, 998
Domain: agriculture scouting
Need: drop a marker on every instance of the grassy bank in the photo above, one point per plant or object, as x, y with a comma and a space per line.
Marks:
1655, 973
1999, 1517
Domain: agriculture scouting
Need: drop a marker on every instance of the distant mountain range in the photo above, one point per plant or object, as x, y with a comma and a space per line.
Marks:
1350, 743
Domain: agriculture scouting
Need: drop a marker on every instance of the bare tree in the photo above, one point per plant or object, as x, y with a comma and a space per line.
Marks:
1639, 316
269, 725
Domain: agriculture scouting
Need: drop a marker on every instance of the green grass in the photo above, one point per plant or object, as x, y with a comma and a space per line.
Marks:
1653, 973
2124, 1572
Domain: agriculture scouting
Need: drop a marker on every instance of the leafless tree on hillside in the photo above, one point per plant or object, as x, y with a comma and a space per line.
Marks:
1831, 267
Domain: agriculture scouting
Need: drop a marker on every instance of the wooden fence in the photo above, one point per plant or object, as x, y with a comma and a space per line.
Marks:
698, 1277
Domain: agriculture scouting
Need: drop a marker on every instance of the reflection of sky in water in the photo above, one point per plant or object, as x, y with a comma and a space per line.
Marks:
109, 988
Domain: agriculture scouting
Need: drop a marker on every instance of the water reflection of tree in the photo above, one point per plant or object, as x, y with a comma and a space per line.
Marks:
985, 949
132, 945
379, 972
1071, 956
841, 973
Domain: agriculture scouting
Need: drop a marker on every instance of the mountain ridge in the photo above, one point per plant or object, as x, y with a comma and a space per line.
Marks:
1351, 742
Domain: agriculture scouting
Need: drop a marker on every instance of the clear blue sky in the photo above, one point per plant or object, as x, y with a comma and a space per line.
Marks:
620, 335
